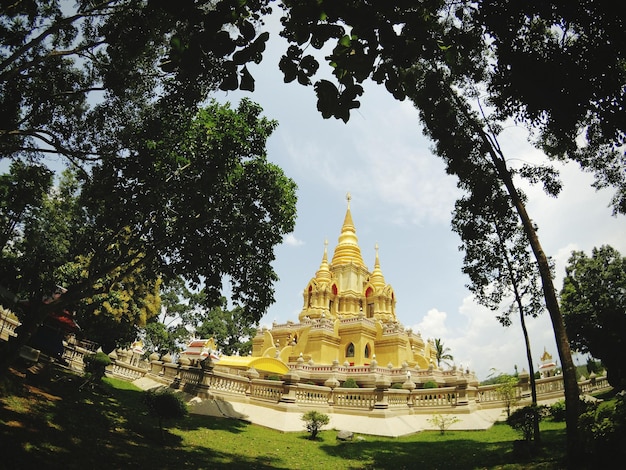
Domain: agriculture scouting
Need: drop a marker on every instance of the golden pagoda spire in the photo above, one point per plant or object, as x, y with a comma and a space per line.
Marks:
348, 251
324, 272
377, 278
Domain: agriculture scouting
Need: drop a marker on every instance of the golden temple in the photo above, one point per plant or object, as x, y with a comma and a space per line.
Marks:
348, 318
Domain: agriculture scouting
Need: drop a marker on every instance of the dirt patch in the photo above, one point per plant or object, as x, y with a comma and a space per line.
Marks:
42, 393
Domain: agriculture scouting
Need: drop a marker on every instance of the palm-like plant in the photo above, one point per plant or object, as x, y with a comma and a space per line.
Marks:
443, 353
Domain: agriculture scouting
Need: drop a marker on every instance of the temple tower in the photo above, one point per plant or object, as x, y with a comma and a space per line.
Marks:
345, 288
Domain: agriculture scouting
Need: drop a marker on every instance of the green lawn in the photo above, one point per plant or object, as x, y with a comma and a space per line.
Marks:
46, 422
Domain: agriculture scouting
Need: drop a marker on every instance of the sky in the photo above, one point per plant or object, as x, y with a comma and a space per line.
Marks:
402, 200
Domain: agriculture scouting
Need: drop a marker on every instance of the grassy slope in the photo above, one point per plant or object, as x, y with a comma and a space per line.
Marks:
46, 422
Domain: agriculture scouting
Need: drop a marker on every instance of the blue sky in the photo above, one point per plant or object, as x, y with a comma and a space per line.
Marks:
402, 201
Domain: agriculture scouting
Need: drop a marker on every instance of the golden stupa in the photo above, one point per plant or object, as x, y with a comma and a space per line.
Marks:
348, 318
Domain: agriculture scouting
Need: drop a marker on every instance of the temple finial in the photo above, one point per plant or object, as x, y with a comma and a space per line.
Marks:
348, 198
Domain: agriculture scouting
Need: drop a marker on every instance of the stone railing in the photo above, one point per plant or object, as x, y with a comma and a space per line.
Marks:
359, 398
593, 384
245, 386
313, 395
434, 397
74, 356
8, 323
289, 391
266, 390
126, 371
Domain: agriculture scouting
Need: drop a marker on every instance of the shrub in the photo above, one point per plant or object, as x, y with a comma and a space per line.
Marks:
507, 391
396, 385
350, 383
274, 377
314, 421
443, 422
557, 411
523, 419
602, 429
165, 404
95, 367
431, 384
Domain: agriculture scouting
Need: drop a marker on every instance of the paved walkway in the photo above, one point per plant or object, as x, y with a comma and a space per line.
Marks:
379, 423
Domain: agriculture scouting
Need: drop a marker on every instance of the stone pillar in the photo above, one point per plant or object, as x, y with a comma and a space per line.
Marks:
461, 390
251, 374
204, 384
290, 385
382, 385
524, 383
410, 386
170, 372
593, 380
156, 367
332, 383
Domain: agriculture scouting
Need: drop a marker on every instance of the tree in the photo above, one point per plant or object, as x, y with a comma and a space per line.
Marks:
26, 194
593, 300
314, 421
72, 74
443, 422
211, 206
165, 405
499, 264
21, 190
173, 326
442, 352
523, 420
507, 391
114, 87
95, 368
231, 329
578, 49
49, 250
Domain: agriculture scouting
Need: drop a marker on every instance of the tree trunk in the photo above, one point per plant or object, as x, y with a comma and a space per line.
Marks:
533, 383
562, 343
552, 305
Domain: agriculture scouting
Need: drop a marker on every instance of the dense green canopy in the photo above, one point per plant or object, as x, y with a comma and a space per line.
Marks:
593, 300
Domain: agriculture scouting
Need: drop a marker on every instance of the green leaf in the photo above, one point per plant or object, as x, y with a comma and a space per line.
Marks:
345, 41
247, 81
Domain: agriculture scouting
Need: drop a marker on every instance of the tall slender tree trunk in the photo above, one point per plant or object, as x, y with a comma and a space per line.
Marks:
552, 305
529, 356
531, 371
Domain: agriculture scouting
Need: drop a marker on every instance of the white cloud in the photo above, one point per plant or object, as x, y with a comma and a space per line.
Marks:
481, 343
291, 240
433, 325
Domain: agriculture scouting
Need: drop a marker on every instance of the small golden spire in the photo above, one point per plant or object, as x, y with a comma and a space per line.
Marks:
324, 272
347, 251
377, 277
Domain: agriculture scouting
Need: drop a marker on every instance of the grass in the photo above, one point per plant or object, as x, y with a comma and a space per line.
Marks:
46, 422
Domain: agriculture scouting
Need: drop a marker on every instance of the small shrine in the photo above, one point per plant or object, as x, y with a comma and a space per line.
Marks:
547, 366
